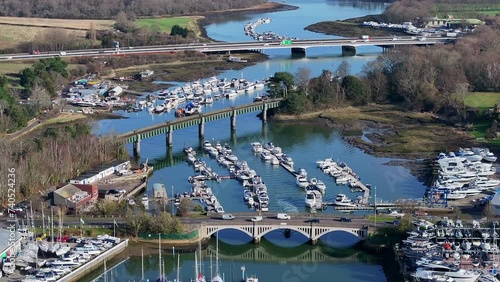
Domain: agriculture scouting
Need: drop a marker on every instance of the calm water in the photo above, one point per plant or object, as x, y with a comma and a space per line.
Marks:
304, 143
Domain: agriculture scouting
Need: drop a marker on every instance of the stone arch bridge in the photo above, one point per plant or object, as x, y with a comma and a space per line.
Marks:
256, 229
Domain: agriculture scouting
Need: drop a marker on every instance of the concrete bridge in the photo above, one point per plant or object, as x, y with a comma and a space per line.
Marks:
297, 46
168, 127
258, 229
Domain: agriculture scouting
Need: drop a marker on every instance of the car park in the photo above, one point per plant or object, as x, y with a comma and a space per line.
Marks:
345, 219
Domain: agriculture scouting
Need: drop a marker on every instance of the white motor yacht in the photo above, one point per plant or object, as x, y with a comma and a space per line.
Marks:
460, 275
207, 145
302, 181
319, 185
343, 200
266, 155
455, 196
8, 267
256, 147
313, 199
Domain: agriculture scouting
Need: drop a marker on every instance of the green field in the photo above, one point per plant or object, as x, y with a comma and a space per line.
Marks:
482, 100
491, 13
166, 24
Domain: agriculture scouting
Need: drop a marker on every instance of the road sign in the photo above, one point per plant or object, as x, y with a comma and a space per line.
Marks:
286, 42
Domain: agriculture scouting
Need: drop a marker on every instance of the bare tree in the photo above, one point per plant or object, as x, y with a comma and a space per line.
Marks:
40, 97
302, 78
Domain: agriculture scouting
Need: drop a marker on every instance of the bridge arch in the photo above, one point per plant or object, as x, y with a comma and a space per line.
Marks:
211, 230
302, 230
361, 233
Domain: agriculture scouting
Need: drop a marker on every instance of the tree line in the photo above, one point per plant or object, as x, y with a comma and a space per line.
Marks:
54, 157
107, 9
433, 79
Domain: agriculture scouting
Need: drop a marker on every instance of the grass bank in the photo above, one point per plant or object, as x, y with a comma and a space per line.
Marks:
166, 24
482, 102
352, 28
389, 130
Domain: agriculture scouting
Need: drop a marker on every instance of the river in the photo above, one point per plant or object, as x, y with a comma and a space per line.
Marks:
304, 143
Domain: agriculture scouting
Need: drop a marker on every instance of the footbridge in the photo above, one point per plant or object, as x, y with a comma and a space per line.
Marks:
256, 230
169, 127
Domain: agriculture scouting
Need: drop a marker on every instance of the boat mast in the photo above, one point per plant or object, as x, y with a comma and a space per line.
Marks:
211, 276
52, 224
142, 264
217, 255
159, 257
105, 272
196, 266
43, 220
178, 267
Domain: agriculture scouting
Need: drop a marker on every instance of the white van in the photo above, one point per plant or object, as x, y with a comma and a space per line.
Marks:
282, 216
256, 218
227, 217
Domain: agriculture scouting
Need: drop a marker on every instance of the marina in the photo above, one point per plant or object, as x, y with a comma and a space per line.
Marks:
250, 27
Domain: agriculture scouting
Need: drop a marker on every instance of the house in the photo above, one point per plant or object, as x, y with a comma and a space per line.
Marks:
495, 204
146, 73
116, 91
10, 243
159, 191
74, 197
100, 172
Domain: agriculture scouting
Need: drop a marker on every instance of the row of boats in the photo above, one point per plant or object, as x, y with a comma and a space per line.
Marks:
452, 251
464, 174
314, 188
249, 29
52, 269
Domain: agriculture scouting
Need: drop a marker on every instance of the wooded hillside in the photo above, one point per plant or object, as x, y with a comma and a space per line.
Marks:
106, 9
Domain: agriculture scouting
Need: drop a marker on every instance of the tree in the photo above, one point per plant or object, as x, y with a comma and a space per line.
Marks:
343, 69
355, 90
39, 97
91, 33
136, 220
281, 84
303, 77
178, 30
27, 78
185, 206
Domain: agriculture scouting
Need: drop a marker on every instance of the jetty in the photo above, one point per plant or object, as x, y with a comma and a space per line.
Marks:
344, 174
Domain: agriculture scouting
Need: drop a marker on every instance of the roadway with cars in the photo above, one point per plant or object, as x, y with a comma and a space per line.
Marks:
237, 46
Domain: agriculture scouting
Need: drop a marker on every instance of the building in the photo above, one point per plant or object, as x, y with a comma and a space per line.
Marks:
100, 172
146, 73
159, 191
75, 196
495, 204
9, 248
116, 91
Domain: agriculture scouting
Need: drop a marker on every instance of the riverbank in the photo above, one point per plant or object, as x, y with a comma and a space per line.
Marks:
352, 28
221, 16
390, 131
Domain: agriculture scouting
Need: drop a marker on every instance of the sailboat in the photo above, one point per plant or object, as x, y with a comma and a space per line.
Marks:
161, 278
199, 277
217, 277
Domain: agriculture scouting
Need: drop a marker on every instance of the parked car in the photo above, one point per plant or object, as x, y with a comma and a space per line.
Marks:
256, 218
313, 220
345, 219
282, 216
227, 217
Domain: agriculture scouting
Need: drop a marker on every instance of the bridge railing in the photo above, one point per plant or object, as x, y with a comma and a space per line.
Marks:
194, 117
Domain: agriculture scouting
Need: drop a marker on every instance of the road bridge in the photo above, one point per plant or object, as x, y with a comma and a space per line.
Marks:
261, 253
256, 230
348, 45
168, 127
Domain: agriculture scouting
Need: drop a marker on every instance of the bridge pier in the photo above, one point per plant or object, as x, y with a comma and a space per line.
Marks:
348, 51
201, 130
170, 137
256, 240
137, 147
313, 242
233, 121
264, 113
298, 51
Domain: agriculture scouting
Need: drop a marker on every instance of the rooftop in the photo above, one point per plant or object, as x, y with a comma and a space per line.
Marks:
69, 191
97, 170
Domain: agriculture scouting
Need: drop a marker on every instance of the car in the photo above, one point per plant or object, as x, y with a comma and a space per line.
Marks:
283, 216
256, 218
266, 44
345, 219
313, 220
228, 217
395, 222
15, 210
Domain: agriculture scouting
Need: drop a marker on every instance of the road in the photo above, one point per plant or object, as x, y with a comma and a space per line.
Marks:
224, 47
240, 218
